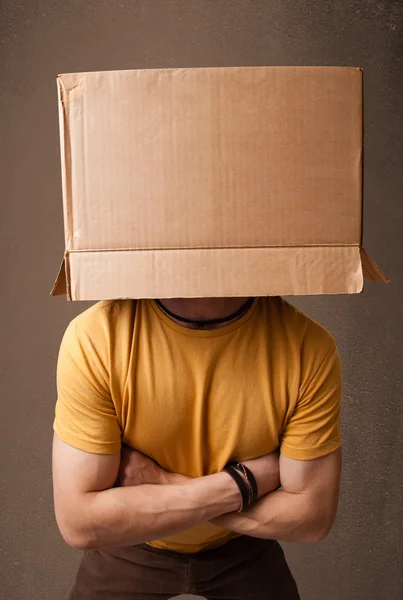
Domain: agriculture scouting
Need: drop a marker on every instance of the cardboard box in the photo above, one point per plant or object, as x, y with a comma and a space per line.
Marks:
212, 182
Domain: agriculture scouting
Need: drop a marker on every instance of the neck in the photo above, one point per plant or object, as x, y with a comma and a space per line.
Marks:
203, 309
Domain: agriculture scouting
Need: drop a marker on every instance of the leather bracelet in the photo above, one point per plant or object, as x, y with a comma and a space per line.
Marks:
249, 476
241, 483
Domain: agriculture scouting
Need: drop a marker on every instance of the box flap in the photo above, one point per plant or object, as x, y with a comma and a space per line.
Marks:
370, 270
190, 273
60, 286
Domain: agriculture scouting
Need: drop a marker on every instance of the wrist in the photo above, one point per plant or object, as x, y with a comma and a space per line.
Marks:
230, 494
211, 495
167, 478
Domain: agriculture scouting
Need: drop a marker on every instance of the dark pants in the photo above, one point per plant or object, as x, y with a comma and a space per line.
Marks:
245, 568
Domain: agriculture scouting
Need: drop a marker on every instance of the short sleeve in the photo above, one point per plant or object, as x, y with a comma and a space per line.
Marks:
313, 429
85, 413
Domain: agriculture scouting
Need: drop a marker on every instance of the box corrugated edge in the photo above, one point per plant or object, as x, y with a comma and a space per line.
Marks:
178, 273
212, 272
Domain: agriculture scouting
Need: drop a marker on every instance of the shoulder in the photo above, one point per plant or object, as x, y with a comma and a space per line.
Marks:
311, 350
300, 329
98, 339
104, 316
94, 331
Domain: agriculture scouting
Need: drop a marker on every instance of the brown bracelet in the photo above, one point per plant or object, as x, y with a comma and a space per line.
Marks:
241, 483
250, 481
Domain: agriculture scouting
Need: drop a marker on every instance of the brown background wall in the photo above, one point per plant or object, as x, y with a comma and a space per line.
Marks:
362, 559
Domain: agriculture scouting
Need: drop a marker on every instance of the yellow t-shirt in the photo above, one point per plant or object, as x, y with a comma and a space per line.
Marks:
191, 399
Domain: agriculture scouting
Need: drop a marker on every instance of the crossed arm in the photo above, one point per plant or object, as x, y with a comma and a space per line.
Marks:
91, 513
304, 509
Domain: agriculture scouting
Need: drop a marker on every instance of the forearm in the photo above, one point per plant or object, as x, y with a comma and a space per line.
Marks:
132, 515
281, 516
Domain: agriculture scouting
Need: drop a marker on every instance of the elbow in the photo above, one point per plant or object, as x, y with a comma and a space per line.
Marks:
315, 535
81, 543
75, 528
321, 522
76, 539
318, 531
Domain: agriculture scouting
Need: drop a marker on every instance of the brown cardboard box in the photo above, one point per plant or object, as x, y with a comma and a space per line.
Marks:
212, 182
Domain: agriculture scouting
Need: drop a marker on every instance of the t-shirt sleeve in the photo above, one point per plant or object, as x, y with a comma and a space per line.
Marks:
85, 413
313, 429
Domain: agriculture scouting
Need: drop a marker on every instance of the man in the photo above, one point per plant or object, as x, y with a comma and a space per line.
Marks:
155, 398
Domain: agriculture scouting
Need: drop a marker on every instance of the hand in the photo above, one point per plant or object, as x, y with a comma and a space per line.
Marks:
138, 469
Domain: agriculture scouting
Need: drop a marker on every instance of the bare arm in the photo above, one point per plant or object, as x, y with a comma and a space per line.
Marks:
91, 513
303, 511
